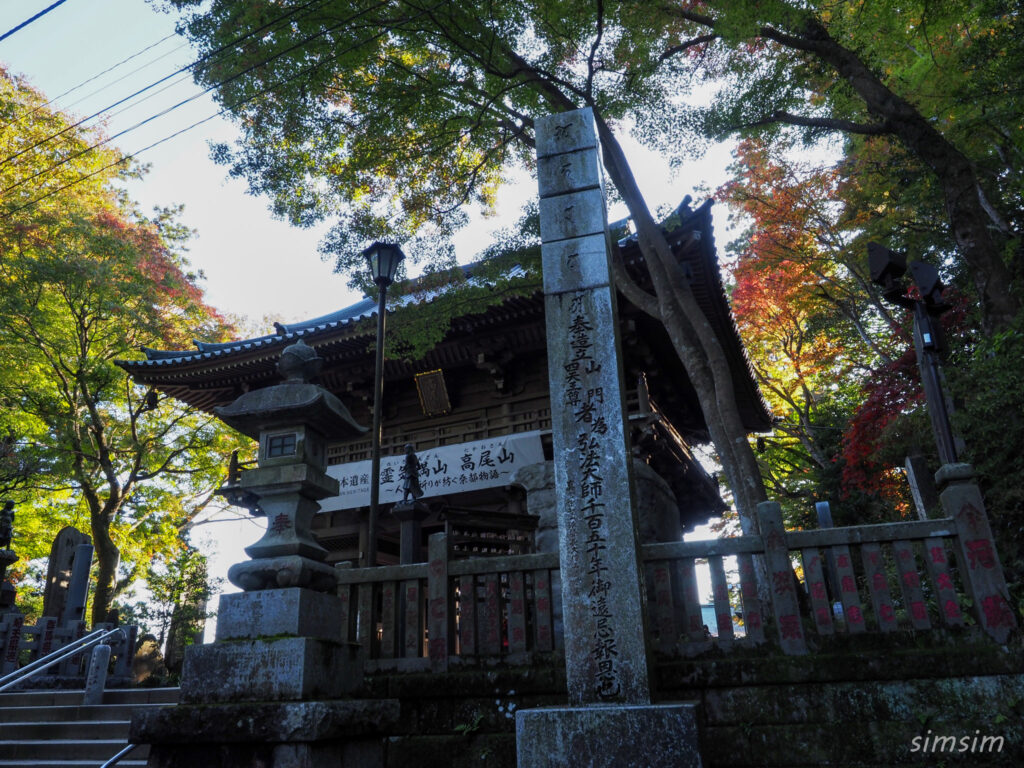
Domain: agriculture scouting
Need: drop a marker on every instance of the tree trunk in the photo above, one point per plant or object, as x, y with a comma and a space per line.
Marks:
955, 172
107, 558
694, 339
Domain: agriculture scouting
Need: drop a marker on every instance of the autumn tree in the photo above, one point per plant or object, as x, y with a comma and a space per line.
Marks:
85, 279
395, 116
939, 80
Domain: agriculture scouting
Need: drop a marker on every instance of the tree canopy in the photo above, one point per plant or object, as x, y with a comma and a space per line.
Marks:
86, 279
393, 116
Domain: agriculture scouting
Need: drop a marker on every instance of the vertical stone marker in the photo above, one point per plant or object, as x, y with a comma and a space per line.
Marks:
610, 720
601, 584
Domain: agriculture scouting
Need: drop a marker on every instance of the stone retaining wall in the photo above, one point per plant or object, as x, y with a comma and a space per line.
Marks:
855, 704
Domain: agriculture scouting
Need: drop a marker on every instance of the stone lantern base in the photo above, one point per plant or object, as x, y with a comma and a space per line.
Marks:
269, 691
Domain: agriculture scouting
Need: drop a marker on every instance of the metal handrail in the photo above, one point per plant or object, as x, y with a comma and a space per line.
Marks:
20, 675
117, 758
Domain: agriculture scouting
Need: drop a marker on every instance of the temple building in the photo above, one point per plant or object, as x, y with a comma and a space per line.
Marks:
476, 410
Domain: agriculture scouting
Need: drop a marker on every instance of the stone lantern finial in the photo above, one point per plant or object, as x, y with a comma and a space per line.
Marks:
299, 362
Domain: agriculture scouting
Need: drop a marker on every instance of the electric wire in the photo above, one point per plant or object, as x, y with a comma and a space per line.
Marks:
186, 68
25, 23
98, 75
124, 76
190, 99
124, 159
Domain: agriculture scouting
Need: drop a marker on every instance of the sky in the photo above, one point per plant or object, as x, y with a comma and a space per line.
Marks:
256, 267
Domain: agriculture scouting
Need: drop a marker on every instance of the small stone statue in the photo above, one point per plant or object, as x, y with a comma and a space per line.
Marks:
411, 486
7, 524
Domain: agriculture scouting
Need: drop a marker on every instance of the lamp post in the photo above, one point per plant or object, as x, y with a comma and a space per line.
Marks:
887, 267
383, 260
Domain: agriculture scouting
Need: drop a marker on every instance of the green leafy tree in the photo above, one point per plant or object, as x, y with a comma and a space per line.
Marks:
394, 116
180, 587
938, 80
84, 280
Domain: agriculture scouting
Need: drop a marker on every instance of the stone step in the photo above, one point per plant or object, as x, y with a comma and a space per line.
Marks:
64, 698
51, 714
95, 729
96, 751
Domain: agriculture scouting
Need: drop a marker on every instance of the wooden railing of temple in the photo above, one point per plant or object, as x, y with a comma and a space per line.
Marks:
862, 579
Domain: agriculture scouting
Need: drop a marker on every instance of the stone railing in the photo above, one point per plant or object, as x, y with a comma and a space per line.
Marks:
872, 578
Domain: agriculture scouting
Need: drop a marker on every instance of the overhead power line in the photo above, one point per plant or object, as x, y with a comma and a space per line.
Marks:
186, 68
301, 73
190, 99
98, 75
26, 22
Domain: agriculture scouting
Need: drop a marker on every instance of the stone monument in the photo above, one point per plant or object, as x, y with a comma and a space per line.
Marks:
267, 692
60, 573
7, 556
610, 717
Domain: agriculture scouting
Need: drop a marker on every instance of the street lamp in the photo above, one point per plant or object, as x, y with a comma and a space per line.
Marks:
383, 260
887, 268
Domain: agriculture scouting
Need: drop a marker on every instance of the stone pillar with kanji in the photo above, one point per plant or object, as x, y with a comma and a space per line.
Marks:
609, 720
976, 550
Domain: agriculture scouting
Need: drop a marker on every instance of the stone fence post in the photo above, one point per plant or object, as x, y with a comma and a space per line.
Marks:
976, 550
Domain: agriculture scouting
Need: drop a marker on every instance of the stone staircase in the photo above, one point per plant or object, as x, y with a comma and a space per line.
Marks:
54, 728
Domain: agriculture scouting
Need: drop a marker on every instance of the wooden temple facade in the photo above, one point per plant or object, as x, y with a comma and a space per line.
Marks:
476, 409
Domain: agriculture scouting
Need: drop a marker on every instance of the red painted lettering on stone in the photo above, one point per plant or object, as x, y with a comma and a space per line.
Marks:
782, 581
437, 608
438, 648
847, 584
911, 579
973, 515
951, 609
878, 581
843, 561
944, 581
823, 615
980, 554
997, 612
886, 613
938, 554
918, 610
790, 626
818, 590
854, 614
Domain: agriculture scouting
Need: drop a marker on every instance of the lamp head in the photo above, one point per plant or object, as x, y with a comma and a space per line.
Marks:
885, 265
926, 278
383, 260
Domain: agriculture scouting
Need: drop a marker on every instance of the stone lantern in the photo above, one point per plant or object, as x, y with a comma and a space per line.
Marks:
292, 422
281, 639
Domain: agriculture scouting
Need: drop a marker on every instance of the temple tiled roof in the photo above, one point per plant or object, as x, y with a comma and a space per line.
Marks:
215, 373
